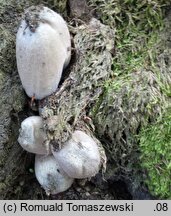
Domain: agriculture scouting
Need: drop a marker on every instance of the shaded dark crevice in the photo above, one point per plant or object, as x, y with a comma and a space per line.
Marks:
120, 190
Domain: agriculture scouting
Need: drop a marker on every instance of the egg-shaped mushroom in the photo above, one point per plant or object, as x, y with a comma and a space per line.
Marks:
43, 50
50, 175
32, 136
80, 156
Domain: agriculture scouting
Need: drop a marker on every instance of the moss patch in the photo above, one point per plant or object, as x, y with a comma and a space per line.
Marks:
138, 91
155, 145
135, 23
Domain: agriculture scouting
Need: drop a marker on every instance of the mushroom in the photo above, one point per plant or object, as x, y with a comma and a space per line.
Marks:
50, 175
80, 156
32, 136
43, 50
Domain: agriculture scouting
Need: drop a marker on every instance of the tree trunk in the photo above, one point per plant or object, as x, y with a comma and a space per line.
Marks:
110, 108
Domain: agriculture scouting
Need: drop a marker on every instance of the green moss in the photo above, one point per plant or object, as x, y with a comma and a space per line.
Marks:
155, 146
137, 24
137, 33
130, 12
138, 90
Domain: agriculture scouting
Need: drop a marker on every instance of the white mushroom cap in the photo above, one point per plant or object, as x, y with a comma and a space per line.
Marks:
50, 175
32, 136
58, 23
43, 53
80, 157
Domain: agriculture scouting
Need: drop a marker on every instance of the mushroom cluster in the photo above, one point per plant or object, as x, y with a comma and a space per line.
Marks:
56, 169
43, 50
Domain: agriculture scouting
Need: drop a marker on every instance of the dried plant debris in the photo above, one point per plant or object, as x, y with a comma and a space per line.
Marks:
93, 43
